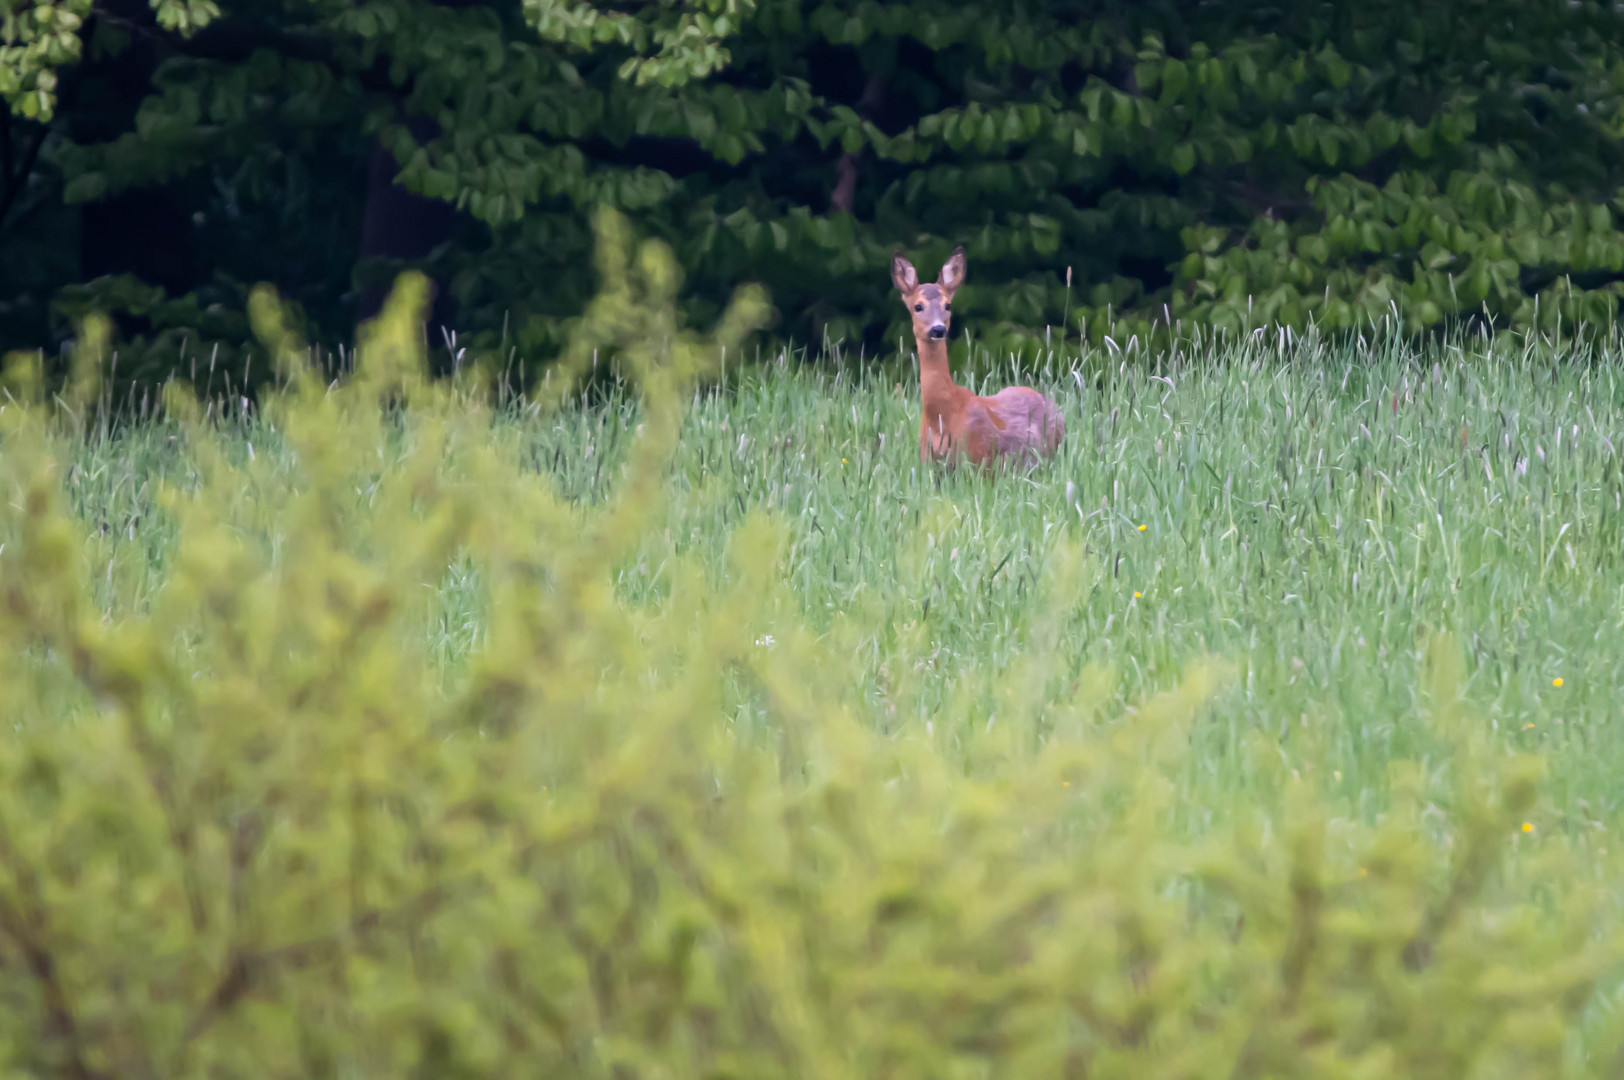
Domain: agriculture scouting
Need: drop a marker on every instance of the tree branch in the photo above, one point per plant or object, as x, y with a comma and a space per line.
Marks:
845, 192
244, 970
59, 1018
844, 195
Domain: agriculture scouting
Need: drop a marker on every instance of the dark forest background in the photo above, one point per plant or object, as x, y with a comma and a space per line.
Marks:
1224, 162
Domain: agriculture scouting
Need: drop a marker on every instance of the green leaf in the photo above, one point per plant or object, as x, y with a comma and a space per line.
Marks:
86, 187
1175, 78
1122, 112
1013, 130
1147, 73
1419, 139
1329, 147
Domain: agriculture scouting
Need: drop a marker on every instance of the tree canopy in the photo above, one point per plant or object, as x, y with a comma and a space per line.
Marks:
1228, 163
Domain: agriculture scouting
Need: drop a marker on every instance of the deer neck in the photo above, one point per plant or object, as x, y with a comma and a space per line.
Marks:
937, 391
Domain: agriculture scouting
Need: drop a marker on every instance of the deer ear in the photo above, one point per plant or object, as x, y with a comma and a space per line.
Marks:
952, 271
903, 275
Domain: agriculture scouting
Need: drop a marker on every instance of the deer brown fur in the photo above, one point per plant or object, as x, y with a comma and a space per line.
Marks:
1016, 426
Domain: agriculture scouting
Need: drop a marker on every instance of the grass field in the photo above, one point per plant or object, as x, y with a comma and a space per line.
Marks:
506, 707
1309, 513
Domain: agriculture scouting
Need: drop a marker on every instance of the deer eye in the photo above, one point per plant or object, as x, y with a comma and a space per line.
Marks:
950, 307
919, 307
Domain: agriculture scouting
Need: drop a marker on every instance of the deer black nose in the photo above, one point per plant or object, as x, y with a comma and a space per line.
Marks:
938, 332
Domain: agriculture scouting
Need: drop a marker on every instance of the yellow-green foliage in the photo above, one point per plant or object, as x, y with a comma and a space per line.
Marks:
260, 828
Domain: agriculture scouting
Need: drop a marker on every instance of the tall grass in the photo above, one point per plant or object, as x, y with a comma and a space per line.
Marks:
1311, 511
694, 728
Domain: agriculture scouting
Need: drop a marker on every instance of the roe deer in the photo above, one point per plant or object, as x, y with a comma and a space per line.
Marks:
1016, 426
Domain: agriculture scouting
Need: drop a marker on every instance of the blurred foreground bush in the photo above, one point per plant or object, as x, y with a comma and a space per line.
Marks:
260, 828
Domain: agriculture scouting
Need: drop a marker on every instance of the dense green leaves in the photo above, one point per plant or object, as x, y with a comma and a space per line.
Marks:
35, 39
1224, 164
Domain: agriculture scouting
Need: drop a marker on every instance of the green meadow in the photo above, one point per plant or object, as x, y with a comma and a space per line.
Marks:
686, 725
1310, 513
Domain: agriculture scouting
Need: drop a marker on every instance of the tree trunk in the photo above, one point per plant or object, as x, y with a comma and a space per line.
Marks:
844, 196
397, 224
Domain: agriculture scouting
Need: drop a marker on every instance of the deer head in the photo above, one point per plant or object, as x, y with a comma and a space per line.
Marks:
930, 305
